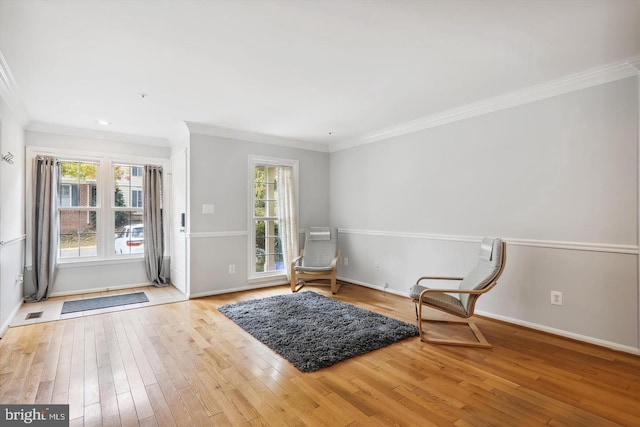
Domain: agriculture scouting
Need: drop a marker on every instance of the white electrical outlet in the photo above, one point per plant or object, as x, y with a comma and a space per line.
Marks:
232, 269
345, 261
556, 297
376, 266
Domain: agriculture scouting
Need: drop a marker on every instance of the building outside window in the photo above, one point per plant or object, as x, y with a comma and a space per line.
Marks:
77, 209
91, 225
127, 207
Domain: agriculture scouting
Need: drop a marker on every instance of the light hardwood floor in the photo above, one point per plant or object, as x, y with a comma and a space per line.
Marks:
187, 364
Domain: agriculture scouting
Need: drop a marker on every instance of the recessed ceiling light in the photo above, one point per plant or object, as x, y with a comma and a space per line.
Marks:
103, 122
330, 133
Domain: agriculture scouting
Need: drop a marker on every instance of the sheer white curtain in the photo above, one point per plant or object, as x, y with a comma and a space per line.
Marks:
45, 227
288, 215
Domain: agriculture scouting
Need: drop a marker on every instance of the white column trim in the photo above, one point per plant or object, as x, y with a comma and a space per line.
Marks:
10, 92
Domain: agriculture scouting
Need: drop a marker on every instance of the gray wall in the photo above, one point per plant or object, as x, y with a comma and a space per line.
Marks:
12, 210
558, 178
218, 175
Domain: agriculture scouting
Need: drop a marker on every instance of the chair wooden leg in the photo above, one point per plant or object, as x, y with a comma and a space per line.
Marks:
481, 341
296, 284
334, 284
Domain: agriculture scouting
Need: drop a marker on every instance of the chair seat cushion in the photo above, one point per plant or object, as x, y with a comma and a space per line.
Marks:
310, 269
440, 300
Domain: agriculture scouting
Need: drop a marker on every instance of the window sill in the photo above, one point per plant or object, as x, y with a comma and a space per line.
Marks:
267, 277
79, 263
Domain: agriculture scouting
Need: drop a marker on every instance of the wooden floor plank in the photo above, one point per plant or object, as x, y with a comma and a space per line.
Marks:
187, 364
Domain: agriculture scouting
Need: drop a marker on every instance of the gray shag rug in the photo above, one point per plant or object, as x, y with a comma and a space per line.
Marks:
312, 331
103, 302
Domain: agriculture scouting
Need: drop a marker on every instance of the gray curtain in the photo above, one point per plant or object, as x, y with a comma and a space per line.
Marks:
157, 271
45, 227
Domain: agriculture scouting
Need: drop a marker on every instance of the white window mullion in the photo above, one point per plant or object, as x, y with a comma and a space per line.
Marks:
105, 197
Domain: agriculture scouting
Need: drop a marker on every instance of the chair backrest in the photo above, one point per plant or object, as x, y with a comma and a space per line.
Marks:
486, 272
320, 246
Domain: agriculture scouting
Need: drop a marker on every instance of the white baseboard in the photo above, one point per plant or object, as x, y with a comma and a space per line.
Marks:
376, 287
240, 289
562, 333
530, 325
13, 314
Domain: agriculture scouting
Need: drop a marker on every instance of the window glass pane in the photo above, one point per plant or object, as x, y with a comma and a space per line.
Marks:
136, 198
77, 236
265, 197
268, 246
128, 186
64, 195
77, 184
129, 237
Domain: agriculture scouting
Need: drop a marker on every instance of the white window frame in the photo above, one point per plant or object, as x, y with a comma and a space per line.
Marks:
254, 161
105, 200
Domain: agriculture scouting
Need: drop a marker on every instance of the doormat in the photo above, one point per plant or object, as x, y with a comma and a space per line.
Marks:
103, 302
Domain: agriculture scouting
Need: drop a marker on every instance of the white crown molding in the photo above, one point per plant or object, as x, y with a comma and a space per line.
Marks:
10, 93
96, 134
242, 135
585, 79
551, 244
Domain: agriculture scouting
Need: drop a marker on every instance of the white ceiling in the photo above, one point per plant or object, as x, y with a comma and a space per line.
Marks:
298, 70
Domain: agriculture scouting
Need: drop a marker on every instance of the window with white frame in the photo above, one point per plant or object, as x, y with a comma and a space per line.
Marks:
77, 209
266, 257
127, 209
99, 203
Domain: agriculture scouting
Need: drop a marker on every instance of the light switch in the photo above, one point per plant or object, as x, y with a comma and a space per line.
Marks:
208, 209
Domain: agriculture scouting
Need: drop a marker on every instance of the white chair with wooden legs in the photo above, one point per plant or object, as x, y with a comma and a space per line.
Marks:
318, 259
480, 280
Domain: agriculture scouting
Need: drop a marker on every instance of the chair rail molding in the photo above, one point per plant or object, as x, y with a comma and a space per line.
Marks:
8, 242
216, 234
219, 234
552, 244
